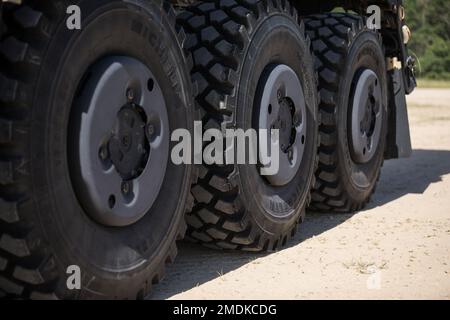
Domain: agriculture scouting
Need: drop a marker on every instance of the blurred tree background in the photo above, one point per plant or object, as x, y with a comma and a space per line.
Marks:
429, 21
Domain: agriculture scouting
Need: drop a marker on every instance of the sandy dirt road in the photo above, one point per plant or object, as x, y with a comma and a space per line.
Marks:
399, 247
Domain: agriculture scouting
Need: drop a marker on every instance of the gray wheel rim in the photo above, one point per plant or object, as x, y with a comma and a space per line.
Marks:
283, 107
366, 117
117, 85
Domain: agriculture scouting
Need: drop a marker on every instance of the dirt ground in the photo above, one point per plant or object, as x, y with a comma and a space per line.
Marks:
398, 248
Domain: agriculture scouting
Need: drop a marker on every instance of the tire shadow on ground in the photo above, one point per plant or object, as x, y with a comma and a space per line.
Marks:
410, 176
196, 265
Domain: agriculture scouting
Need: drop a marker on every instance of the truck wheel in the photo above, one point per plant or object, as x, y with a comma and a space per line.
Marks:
353, 89
254, 70
87, 187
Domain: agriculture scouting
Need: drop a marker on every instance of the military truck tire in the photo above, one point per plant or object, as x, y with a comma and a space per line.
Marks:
239, 48
54, 219
352, 84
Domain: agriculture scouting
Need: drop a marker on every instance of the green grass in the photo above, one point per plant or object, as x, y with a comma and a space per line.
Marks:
438, 84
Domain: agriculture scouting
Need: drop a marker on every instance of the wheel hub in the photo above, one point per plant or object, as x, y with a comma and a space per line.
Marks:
128, 145
282, 107
122, 141
285, 124
366, 117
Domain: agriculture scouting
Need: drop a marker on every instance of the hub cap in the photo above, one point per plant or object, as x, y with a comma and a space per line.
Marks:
366, 117
122, 141
283, 107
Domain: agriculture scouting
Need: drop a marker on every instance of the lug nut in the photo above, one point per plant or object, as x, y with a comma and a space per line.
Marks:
150, 130
130, 94
297, 120
279, 94
290, 154
141, 149
126, 187
103, 153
